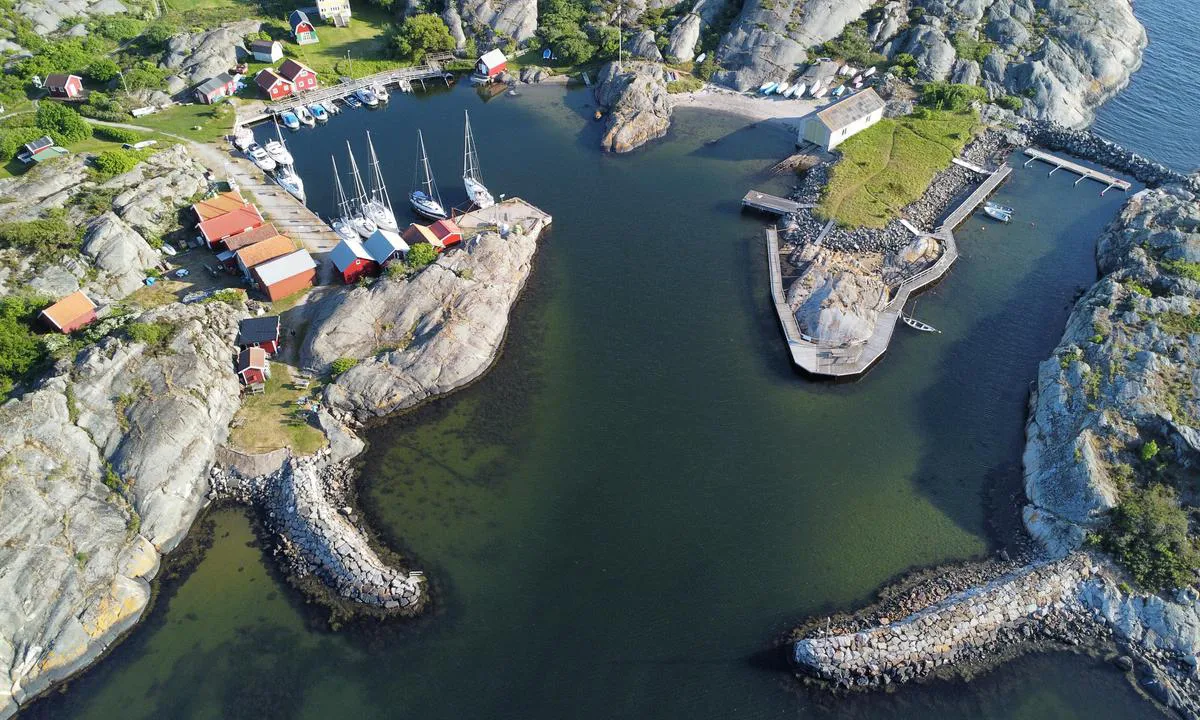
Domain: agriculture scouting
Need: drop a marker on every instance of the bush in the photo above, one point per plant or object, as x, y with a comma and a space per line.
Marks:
1009, 102
118, 28
115, 134
1149, 451
561, 27
111, 163
155, 336
102, 70
420, 255
145, 76
970, 48
157, 34
951, 96
102, 107
706, 69
1148, 534
20, 349
685, 83
62, 123
853, 46
50, 237
905, 65
230, 296
341, 365
418, 35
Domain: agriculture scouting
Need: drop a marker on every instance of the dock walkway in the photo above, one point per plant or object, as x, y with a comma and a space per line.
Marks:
774, 204
401, 77
509, 211
976, 198
1082, 171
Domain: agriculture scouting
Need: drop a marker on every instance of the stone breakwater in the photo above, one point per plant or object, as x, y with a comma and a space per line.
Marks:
306, 505
967, 626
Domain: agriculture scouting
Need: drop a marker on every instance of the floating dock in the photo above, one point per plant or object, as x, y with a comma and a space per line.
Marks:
1084, 172
773, 204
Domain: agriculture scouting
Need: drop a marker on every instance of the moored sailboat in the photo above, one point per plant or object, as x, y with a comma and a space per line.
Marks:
378, 206
424, 198
290, 181
364, 225
472, 176
342, 224
277, 149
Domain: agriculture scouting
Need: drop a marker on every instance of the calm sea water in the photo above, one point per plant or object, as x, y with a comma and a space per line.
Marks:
1157, 115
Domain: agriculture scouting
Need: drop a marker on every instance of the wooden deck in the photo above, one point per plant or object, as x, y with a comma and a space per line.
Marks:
1084, 172
509, 211
771, 203
976, 198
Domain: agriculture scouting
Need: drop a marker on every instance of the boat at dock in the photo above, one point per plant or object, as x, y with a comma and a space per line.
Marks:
367, 96
378, 206
331, 107
343, 224
318, 112
289, 120
381, 92
472, 176
998, 212
918, 325
352, 101
798, 90
260, 157
768, 88
424, 197
305, 116
362, 224
278, 150
290, 181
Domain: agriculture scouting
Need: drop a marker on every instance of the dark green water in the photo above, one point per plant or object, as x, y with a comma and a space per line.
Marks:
642, 495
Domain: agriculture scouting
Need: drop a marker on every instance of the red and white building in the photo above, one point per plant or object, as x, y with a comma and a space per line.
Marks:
447, 232
384, 246
252, 366
286, 275
64, 86
352, 260
301, 77
71, 313
491, 64
261, 332
272, 85
214, 89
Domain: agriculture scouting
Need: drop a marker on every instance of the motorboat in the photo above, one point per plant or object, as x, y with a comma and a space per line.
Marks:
839, 91
424, 197
318, 112
367, 96
290, 181
770, 88
869, 72
763, 88
305, 116
815, 88
381, 92
798, 90
289, 119
472, 176
260, 158
278, 150
352, 101
783, 89
378, 206
820, 93
998, 212
331, 107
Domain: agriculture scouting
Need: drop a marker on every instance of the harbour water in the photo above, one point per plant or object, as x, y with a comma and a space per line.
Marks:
626, 513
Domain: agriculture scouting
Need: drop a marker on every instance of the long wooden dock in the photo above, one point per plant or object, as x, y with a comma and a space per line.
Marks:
774, 204
1084, 172
399, 77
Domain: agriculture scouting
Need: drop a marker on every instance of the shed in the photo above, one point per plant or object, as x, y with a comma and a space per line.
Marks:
385, 245
268, 51
491, 64
71, 313
415, 233
259, 253
843, 119
261, 332
231, 223
215, 88
218, 205
252, 366
64, 86
272, 85
298, 74
447, 231
352, 260
263, 232
302, 28
286, 275
39, 150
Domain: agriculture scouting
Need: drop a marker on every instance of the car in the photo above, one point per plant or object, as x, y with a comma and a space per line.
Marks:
181, 273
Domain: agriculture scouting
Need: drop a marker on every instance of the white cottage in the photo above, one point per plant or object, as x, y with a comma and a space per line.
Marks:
841, 120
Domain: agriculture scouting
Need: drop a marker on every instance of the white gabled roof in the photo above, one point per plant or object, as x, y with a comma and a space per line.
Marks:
285, 267
346, 252
383, 244
493, 58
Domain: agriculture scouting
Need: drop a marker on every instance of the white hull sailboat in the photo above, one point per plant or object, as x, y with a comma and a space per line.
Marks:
342, 224
379, 204
472, 177
424, 197
259, 157
277, 150
364, 225
290, 181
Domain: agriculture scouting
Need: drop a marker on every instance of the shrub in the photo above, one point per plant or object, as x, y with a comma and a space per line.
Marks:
19, 347
420, 34
420, 255
1148, 534
157, 34
853, 46
102, 70
951, 96
111, 163
970, 48
685, 83
706, 69
49, 238
1009, 102
905, 65
341, 365
230, 296
155, 336
145, 76
115, 134
62, 123
1149, 451
118, 28
1182, 268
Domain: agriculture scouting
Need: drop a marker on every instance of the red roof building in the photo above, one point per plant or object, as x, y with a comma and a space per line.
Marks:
301, 77
262, 233
218, 205
352, 260
448, 232
64, 86
231, 223
71, 313
272, 85
286, 275
252, 366
215, 88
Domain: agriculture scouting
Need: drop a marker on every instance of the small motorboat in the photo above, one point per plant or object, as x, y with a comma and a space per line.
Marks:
700, 58
869, 72
839, 91
815, 88
305, 116
290, 181
763, 88
782, 88
260, 158
318, 112
381, 92
998, 212
798, 90
289, 120
367, 97
770, 88
352, 101
331, 107
279, 152
820, 93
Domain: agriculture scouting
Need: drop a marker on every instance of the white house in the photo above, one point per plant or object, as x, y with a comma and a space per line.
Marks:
841, 120
334, 11
268, 51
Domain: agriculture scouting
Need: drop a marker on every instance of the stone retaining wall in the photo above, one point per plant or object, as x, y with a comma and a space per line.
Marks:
1090, 146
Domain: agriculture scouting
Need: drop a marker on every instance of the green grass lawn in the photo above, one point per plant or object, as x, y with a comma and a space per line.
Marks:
891, 164
364, 40
272, 420
213, 121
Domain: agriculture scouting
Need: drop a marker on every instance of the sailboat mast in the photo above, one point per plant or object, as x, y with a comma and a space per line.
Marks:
381, 191
430, 189
471, 157
361, 191
341, 192
466, 145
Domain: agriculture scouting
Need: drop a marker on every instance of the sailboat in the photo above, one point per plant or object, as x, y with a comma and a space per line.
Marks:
364, 225
472, 177
342, 225
378, 206
277, 150
290, 181
424, 198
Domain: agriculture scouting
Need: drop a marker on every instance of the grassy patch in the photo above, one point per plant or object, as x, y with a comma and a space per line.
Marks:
891, 164
365, 40
272, 419
282, 305
203, 123
685, 84
1182, 268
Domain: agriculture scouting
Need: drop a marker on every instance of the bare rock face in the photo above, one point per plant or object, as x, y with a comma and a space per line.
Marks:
106, 467
196, 57
642, 46
515, 19
424, 336
834, 302
45, 187
48, 15
685, 36
639, 109
122, 255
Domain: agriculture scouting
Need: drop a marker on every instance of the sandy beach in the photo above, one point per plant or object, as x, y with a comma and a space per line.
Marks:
786, 112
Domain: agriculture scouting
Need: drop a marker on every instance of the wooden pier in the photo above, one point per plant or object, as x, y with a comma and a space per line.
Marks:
399, 77
1084, 172
773, 204
976, 198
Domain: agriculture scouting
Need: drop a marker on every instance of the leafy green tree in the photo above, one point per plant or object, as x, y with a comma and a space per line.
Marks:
1149, 451
1148, 534
608, 41
420, 34
111, 163
157, 34
118, 28
706, 69
102, 70
19, 346
62, 123
420, 255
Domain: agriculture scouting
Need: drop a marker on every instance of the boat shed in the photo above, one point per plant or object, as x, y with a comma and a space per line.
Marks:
71, 313
415, 233
843, 119
352, 260
231, 223
385, 245
215, 88
252, 366
262, 332
286, 275
262, 233
261, 252
218, 205
298, 74
448, 232
491, 64
272, 84
268, 51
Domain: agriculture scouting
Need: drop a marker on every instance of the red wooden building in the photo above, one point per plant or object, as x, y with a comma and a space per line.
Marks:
64, 86
447, 232
491, 64
71, 313
214, 89
301, 77
286, 275
272, 85
261, 332
231, 223
352, 260
252, 366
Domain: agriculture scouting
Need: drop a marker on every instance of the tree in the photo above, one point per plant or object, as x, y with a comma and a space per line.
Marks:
19, 347
102, 70
608, 41
420, 34
706, 69
951, 96
157, 34
1148, 533
574, 48
111, 163
12, 140
420, 255
118, 28
62, 123
341, 365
